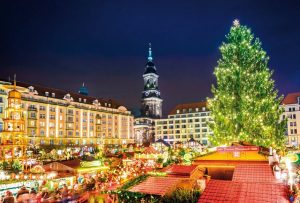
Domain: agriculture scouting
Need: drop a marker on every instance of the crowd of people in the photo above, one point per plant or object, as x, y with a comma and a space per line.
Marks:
84, 186
62, 194
108, 180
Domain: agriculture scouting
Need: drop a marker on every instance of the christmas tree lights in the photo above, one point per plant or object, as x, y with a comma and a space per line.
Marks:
245, 106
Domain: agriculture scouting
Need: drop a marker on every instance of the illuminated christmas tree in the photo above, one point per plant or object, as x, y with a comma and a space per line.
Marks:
245, 106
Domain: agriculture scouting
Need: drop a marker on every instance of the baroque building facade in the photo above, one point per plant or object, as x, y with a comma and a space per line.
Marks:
291, 105
58, 117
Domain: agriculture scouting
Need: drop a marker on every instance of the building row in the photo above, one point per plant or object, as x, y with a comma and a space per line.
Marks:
57, 117
49, 116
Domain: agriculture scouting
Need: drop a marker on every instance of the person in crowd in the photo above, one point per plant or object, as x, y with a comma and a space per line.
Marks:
65, 194
45, 195
32, 196
9, 198
23, 195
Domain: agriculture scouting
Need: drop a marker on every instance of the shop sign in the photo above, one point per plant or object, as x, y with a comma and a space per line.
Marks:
88, 164
237, 148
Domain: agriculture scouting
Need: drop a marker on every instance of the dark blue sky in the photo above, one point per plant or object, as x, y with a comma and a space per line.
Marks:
104, 44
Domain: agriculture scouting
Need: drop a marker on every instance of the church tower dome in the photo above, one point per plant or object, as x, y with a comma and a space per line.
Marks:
83, 90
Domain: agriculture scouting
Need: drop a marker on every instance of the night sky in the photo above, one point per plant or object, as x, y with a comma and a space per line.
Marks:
104, 44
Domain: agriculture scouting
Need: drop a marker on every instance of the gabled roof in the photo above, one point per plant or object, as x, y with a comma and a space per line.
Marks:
181, 170
156, 185
188, 106
291, 98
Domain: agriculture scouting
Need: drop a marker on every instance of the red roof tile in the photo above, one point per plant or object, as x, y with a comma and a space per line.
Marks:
291, 98
256, 173
250, 183
181, 170
229, 191
156, 185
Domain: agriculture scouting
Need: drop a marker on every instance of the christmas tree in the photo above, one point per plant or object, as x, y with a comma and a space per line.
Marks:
245, 106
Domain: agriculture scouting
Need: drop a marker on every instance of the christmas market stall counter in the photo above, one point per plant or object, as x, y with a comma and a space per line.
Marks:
76, 167
15, 187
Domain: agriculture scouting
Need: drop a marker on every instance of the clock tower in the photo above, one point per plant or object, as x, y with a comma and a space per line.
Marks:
13, 139
151, 99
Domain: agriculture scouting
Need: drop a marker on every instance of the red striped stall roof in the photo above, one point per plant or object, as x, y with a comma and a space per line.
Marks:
156, 185
242, 192
255, 173
181, 170
251, 183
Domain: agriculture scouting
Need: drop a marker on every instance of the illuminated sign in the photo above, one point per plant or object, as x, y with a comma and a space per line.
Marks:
87, 164
237, 148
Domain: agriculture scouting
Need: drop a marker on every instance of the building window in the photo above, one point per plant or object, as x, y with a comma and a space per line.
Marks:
32, 132
32, 115
42, 108
42, 116
1, 99
1, 109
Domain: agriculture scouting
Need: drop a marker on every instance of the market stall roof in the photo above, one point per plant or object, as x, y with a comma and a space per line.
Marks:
73, 166
163, 142
261, 173
156, 185
185, 171
250, 183
243, 192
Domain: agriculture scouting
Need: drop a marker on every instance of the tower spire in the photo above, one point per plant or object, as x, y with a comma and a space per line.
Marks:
15, 81
150, 53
